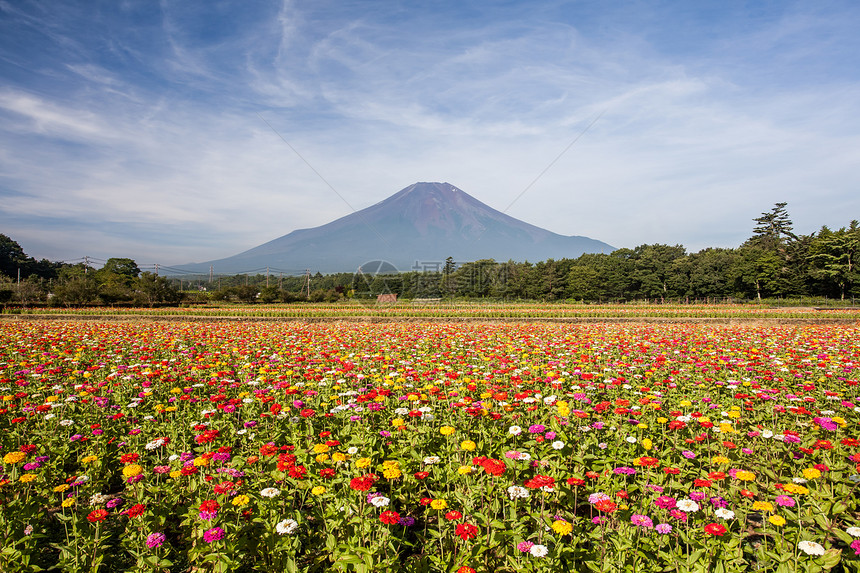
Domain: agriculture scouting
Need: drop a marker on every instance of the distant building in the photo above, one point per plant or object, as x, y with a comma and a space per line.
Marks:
386, 298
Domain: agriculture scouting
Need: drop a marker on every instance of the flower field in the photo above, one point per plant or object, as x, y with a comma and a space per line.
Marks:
443, 447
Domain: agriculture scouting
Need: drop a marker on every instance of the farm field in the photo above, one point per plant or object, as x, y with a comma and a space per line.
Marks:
429, 446
462, 311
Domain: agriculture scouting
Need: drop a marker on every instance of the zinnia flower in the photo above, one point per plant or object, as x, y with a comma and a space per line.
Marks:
466, 531
811, 548
97, 515
715, 529
213, 535
154, 540
539, 551
389, 517
286, 526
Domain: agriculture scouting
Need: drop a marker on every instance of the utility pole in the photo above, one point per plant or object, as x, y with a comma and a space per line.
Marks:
267, 277
211, 268
308, 276
86, 265
156, 269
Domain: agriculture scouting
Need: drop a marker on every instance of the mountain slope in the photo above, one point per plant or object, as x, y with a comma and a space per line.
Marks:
424, 223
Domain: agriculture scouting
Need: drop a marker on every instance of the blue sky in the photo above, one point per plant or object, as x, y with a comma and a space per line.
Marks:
141, 129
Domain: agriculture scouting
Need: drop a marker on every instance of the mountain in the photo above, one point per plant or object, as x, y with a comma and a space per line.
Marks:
415, 228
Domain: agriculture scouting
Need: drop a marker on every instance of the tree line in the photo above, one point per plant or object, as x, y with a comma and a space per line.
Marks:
773, 263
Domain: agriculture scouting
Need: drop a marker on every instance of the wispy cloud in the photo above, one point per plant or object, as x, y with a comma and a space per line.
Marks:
111, 141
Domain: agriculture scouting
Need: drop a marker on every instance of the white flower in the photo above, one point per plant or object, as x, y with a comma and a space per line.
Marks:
630, 440
154, 444
99, 499
352, 451
811, 548
380, 501
173, 457
430, 460
286, 526
401, 411
517, 491
270, 492
766, 434
853, 531
539, 551
515, 430
688, 505
524, 457
66, 422
799, 480
557, 445
724, 513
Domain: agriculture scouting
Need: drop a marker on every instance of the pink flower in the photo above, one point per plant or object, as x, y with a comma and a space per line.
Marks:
213, 535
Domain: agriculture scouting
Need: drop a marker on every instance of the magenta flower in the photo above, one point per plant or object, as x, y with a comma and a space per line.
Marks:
641, 521
665, 502
213, 535
154, 540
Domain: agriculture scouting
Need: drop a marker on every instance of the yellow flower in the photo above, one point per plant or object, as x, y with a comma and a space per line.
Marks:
61, 488
720, 460
446, 430
322, 458
795, 489
762, 506
391, 473
362, 463
561, 527
777, 520
201, 461
175, 474
321, 448
131, 470
811, 473
338, 457
14, 457
26, 478
744, 475
240, 500
89, 459
396, 422
318, 490
464, 470
439, 504
647, 443
390, 464
68, 502
662, 420
734, 414
839, 420
727, 429
468, 445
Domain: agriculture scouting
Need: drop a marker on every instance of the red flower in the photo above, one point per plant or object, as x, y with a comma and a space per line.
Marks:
307, 413
466, 531
390, 517
539, 481
421, 475
97, 515
224, 487
717, 475
209, 506
268, 449
622, 494
129, 458
593, 475
327, 473
362, 483
425, 501
136, 510
715, 529
701, 483
605, 505
575, 481
453, 515
465, 569
298, 472
494, 467
672, 471
747, 493
821, 467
